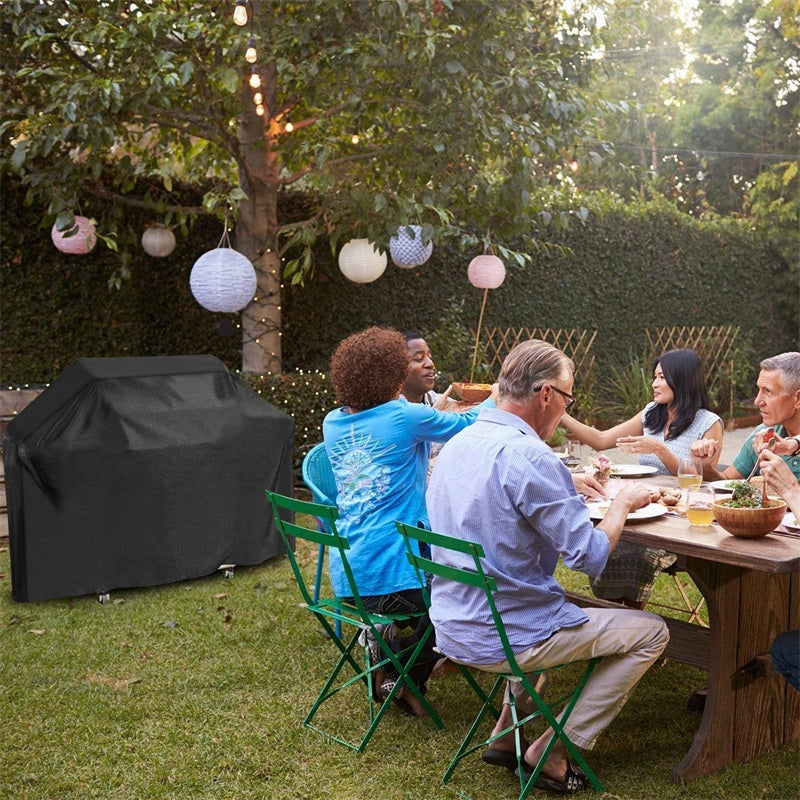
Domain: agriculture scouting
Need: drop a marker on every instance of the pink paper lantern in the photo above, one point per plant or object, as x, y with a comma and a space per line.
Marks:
78, 244
486, 272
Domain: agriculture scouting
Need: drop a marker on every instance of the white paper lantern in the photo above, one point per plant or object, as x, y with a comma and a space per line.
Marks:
408, 251
361, 261
223, 279
80, 243
486, 272
158, 241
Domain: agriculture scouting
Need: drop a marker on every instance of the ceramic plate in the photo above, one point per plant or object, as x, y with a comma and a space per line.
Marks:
790, 521
598, 511
723, 486
632, 470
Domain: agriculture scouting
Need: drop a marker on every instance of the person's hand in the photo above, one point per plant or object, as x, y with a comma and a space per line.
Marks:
634, 495
777, 473
777, 444
706, 449
588, 486
443, 401
637, 444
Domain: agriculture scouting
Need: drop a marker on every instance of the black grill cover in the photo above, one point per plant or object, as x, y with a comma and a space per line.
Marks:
141, 471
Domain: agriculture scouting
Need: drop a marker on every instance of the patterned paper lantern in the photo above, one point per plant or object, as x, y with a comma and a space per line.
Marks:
361, 262
223, 279
158, 241
78, 244
486, 272
407, 249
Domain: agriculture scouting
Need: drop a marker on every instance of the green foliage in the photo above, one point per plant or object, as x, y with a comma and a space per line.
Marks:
307, 396
625, 389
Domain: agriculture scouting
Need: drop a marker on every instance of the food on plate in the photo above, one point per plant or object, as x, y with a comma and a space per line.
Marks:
665, 495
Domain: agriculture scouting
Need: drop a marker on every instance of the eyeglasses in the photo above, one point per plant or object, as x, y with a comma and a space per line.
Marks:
570, 399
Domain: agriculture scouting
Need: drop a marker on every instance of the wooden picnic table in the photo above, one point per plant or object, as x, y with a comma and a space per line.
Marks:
752, 591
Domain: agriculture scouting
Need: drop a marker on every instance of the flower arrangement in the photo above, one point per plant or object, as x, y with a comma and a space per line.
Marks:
602, 469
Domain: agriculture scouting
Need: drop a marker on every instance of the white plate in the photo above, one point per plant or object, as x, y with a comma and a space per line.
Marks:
632, 470
724, 486
790, 521
598, 511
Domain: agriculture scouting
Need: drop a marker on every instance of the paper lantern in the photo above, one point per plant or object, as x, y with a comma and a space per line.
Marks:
407, 250
486, 272
80, 243
361, 262
223, 279
158, 241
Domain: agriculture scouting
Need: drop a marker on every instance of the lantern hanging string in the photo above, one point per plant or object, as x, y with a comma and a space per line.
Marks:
489, 250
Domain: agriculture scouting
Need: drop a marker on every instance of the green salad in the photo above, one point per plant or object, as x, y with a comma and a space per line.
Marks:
745, 495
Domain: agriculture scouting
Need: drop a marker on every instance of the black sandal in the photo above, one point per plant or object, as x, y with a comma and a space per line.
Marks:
574, 780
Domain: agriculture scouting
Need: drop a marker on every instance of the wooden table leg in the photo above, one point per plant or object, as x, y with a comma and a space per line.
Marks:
747, 705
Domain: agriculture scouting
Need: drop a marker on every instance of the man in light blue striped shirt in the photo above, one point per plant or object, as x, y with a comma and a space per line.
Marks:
499, 484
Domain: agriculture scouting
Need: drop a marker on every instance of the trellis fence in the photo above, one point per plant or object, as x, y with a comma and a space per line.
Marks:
715, 346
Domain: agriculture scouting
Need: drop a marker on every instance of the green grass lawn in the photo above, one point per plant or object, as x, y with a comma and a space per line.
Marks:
197, 690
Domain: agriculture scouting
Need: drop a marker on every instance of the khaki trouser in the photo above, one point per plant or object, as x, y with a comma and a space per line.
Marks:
627, 641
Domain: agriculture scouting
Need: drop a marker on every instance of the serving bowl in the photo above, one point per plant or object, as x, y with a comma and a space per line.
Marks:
750, 523
472, 392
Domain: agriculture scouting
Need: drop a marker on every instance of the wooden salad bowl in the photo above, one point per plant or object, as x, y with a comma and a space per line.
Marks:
750, 523
472, 392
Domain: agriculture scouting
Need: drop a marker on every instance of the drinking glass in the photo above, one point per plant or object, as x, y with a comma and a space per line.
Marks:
699, 510
690, 472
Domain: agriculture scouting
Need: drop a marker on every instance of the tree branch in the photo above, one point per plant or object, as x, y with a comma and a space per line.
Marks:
105, 193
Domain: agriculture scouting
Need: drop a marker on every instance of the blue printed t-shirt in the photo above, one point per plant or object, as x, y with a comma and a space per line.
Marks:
379, 458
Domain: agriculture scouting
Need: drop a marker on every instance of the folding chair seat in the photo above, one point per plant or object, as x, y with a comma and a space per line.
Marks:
361, 667
477, 578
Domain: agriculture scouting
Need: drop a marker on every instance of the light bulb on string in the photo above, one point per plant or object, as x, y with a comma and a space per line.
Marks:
573, 163
260, 110
250, 54
354, 138
255, 78
240, 13
258, 98
288, 127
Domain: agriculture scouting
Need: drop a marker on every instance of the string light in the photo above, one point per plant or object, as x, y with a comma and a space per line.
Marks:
573, 163
240, 13
288, 127
260, 110
258, 98
354, 138
255, 78
250, 54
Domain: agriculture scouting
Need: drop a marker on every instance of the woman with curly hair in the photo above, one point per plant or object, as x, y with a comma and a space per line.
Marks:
377, 443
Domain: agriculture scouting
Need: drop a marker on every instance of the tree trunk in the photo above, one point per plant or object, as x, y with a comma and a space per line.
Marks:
256, 234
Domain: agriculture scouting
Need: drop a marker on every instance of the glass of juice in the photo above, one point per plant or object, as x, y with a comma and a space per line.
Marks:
699, 510
690, 472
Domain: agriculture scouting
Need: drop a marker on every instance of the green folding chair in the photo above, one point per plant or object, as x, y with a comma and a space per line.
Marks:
477, 578
352, 615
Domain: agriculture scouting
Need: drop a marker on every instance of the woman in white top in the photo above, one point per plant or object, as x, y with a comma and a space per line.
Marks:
660, 434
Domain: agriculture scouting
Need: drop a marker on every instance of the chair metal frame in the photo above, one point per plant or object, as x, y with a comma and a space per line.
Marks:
477, 578
349, 614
